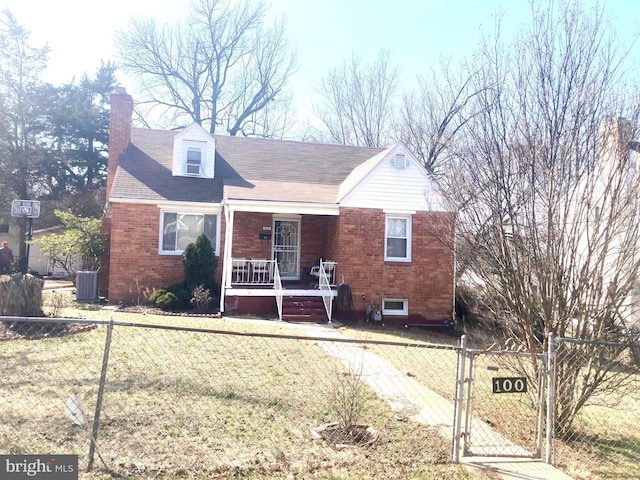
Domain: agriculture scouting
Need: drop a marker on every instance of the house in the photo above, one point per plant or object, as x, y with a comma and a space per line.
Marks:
272, 209
40, 261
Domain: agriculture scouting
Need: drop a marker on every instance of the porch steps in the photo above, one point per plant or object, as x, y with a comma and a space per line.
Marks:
303, 309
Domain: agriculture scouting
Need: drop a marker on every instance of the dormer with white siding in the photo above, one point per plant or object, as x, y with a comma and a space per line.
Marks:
194, 152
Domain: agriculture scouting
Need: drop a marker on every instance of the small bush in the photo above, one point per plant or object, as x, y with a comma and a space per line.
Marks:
348, 397
174, 297
56, 301
201, 298
164, 299
198, 287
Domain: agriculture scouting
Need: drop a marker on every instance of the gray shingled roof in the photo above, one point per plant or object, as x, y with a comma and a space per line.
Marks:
247, 168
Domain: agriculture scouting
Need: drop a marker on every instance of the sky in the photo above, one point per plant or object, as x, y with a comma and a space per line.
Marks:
324, 33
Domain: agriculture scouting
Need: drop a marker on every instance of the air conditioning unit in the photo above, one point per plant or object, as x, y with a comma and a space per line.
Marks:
193, 169
87, 285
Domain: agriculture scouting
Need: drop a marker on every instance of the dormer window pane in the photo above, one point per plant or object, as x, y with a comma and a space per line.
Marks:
194, 160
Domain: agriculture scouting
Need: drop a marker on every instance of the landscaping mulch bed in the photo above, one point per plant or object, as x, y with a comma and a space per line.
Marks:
38, 330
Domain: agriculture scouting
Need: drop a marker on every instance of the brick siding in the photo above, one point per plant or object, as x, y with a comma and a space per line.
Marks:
427, 281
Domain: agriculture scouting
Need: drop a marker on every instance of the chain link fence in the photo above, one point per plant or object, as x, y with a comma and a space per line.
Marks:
597, 407
216, 399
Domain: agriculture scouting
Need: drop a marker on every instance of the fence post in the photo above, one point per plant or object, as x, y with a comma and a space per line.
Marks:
551, 395
457, 421
103, 376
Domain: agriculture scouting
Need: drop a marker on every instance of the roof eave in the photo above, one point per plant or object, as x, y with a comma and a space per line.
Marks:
300, 208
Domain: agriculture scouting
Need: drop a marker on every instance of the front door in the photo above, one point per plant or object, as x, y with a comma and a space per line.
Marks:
286, 247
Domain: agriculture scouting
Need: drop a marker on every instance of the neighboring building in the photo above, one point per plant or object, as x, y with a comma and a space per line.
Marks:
271, 208
40, 261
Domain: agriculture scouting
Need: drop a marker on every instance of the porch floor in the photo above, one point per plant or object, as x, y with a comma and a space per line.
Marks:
290, 288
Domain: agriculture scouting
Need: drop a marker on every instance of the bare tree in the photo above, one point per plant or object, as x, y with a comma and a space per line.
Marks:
220, 68
357, 102
546, 180
431, 118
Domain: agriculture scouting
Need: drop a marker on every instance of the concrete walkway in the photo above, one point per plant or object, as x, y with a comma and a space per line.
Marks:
404, 394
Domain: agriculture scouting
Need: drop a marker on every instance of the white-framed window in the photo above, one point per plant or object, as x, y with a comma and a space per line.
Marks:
397, 238
395, 306
177, 230
194, 157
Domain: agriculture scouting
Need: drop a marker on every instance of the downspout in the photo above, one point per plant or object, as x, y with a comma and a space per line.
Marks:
226, 260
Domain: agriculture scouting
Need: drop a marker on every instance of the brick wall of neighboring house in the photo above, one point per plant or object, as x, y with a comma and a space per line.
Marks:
427, 281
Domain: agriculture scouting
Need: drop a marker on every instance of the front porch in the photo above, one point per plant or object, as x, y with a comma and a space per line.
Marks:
254, 286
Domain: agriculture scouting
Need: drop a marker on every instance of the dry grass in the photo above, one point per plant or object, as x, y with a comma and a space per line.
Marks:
196, 405
606, 440
255, 401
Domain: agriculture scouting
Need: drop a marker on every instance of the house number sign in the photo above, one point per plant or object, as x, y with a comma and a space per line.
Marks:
509, 384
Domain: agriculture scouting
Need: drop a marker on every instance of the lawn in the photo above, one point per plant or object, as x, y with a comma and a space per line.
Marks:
190, 404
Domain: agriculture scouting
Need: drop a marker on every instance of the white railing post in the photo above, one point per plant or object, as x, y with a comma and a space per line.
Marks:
277, 286
325, 288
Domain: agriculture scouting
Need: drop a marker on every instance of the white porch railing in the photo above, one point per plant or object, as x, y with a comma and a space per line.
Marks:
324, 284
254, 271
277, 286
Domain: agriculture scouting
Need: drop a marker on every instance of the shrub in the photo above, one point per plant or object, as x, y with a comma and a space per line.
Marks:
164, 299
174, 297
201, 298
199, 263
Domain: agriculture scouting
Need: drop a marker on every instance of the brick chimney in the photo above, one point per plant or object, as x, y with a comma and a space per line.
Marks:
616, 135
119, 131
119, 138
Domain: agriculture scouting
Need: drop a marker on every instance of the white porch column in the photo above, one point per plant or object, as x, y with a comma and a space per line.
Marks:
226, 259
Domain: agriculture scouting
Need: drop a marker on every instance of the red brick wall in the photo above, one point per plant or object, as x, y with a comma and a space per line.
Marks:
247, 227
355, 239
119, 137
135, 267
313, 243
426, 281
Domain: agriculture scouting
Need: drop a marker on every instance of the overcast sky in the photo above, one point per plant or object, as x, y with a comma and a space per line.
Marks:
324, 32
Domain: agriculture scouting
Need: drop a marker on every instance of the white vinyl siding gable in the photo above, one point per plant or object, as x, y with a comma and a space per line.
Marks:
189, 145
391, 188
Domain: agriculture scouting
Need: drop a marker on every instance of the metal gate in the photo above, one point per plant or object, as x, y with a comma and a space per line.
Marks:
500, 404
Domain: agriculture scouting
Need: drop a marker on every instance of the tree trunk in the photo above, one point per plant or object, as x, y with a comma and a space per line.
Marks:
21, 296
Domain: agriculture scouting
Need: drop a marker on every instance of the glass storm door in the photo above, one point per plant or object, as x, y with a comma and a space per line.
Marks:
286, 248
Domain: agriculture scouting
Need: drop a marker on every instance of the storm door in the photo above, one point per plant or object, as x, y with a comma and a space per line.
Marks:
286, 247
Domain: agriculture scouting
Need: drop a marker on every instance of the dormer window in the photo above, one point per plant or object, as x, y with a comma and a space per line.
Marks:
195, 152
194, 160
